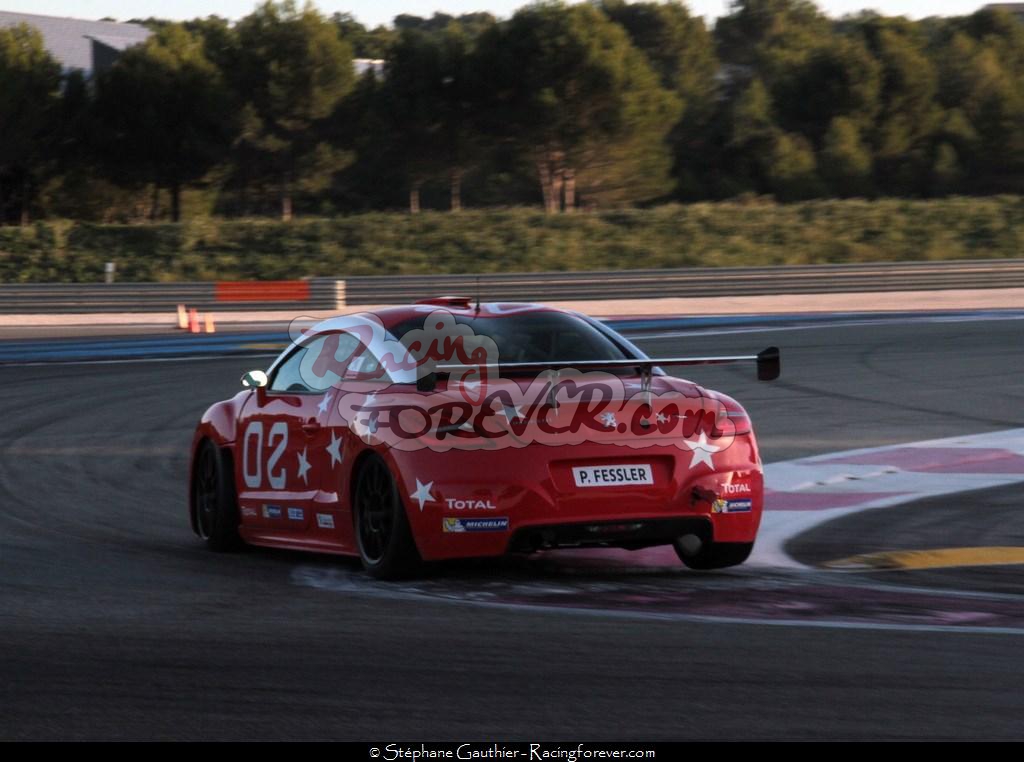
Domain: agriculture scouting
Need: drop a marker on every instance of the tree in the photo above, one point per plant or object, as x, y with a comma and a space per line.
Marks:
681, 51
752, 135
220, 43
471, 24
366, 43
823, 85
981, 64
568, 88
837, 79
767, 34
945, 170
165, 114
792, 172
29, 97
902, 133
677, 45
294, 70
413, 112
431, 102
846, 162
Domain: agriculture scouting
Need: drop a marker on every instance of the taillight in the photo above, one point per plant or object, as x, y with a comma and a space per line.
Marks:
739, 419
730, 415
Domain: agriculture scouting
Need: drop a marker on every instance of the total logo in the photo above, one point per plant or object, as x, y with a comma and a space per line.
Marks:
455, 504
736, 489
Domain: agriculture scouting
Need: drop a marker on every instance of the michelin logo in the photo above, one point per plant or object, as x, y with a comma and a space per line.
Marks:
450, 524
732, 506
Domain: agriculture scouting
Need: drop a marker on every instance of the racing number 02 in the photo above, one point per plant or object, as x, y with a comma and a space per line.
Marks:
252, 457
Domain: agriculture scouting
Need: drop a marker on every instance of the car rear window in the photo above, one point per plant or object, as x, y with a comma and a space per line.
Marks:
535, 337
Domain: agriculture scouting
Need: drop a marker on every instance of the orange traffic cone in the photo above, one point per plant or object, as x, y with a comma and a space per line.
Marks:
210, 327
182, 317
193, 321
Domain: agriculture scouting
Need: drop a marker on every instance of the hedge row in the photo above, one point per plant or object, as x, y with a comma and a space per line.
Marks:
756, 232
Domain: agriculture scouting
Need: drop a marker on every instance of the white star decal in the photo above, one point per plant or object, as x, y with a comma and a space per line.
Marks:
422, 494
334, 449
371, 427
609, 420
702, 451
303, 466
511, 411
324, 403
662, 418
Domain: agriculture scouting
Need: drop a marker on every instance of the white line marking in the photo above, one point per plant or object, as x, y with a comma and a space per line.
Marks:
321, 579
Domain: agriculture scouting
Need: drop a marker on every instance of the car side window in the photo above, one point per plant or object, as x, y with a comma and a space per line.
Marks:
288, 377
316, 366
366, 366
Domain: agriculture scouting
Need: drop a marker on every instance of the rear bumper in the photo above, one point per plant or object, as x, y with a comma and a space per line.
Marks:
632, 534
488, 503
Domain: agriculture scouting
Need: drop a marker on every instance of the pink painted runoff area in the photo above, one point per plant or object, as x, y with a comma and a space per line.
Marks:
820, 501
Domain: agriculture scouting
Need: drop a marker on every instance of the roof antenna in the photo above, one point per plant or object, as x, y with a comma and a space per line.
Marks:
477, 295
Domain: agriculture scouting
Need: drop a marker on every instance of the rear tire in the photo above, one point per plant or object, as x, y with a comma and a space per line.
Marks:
715, 555
386, 546
214, 499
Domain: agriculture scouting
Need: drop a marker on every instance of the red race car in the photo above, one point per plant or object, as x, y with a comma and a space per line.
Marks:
449, 429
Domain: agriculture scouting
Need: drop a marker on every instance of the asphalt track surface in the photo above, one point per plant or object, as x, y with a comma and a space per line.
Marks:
115, 623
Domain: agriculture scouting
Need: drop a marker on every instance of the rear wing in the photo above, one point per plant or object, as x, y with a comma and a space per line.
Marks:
769, 366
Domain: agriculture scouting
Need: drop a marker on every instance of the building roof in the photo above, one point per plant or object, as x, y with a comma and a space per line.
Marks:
70, 41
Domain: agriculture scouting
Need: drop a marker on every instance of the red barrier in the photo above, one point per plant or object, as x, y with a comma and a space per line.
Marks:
262, 291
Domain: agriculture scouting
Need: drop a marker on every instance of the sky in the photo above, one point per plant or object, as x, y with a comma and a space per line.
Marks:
373, 12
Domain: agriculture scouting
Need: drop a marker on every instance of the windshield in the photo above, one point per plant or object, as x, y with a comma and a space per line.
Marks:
536, 337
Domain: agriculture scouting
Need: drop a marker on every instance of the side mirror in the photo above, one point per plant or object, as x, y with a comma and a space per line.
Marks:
254, 379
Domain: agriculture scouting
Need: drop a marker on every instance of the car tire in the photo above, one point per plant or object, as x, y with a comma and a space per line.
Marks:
214, 499
715, 555
386, 546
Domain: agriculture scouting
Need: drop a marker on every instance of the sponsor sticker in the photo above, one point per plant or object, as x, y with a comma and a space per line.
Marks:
470, 504
249, 511
731, 506
454, 524
325, 521
271, 511
296, 514
613, 475
737, 488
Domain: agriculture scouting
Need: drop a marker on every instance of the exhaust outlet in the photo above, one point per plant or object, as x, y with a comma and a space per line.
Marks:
689, 544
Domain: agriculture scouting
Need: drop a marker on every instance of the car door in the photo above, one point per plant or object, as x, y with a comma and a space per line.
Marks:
282, 445
359, 375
